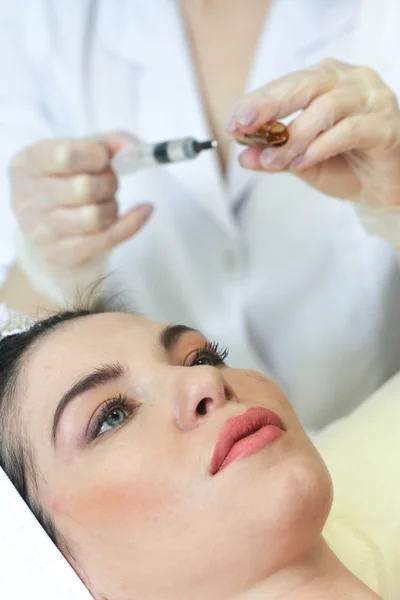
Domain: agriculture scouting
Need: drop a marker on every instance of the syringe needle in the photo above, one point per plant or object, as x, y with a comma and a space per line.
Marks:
207, 145
217, 143
210, 144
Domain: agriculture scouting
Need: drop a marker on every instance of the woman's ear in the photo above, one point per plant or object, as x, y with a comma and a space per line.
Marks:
86, 582
80, 571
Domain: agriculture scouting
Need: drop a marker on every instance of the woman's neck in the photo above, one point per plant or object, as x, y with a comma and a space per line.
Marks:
320, 576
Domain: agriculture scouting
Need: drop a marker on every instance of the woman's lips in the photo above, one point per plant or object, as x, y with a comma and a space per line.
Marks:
245, 434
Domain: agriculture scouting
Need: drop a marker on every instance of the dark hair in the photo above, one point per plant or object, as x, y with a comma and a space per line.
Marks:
16, 455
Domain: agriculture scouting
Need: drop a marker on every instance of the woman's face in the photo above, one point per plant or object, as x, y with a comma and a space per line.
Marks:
124, 417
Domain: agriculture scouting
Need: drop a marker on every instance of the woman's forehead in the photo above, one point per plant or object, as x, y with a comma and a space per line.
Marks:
101, 328
85, 342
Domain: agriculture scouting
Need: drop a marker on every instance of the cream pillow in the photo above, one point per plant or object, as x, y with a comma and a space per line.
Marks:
362, 452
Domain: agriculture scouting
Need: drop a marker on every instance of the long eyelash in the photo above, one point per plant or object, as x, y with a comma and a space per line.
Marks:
120, 401
212, 350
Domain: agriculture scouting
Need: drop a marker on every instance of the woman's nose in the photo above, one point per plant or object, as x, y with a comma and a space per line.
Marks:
198, 392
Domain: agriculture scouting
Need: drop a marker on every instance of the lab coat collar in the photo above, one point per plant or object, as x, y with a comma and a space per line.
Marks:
313, 25
153, 37
379, 26
125, 29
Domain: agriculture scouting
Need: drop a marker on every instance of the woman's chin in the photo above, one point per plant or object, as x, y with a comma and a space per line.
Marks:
283, 509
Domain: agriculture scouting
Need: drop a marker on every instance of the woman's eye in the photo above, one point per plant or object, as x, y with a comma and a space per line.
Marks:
205, 360
114, 413
114, 418
210, 355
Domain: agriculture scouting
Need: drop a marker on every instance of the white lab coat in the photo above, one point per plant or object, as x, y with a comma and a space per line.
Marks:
282, 275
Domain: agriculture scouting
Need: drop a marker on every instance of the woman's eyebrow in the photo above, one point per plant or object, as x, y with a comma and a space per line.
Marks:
99, 377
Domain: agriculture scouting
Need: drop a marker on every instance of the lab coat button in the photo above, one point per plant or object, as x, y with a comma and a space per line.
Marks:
230, 260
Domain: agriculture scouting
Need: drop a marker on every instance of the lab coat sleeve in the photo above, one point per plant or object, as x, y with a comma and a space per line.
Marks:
24, 117
383, 223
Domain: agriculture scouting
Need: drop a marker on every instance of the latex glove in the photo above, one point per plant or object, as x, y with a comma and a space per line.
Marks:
63, 195
344, 142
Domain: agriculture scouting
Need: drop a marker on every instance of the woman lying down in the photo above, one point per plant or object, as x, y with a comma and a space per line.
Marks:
160, 472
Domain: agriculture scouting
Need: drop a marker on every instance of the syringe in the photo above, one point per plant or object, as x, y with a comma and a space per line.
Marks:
139, 155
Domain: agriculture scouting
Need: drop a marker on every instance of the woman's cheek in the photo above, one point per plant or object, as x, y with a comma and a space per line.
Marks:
107, 502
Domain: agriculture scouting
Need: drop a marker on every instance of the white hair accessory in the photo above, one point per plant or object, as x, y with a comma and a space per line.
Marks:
12, 322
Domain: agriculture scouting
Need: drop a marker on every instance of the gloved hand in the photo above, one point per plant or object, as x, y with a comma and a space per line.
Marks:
344, 142
63, 195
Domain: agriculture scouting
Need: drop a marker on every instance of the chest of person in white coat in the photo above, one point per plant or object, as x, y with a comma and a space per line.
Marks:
284, 276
